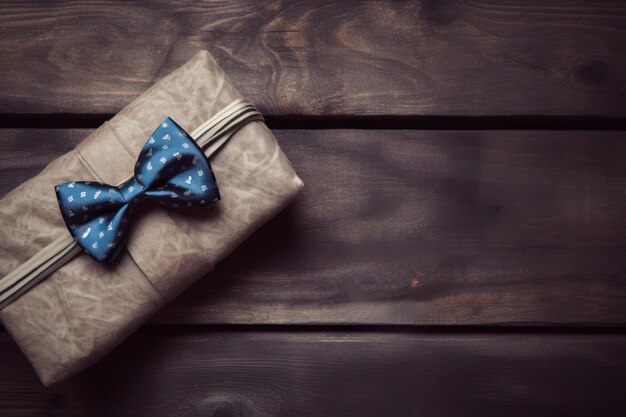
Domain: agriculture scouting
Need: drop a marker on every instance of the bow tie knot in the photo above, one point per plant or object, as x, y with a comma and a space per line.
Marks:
171, 169
132, 191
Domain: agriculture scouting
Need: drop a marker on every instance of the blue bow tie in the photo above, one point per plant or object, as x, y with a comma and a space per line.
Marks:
171, 169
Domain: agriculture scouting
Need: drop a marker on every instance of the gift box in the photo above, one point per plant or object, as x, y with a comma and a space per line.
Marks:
65, 309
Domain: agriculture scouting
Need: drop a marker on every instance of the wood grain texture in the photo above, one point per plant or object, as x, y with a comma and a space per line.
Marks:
417, 227
434, 58
198, 373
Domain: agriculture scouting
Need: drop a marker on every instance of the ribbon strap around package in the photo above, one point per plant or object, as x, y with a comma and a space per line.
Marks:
210, 136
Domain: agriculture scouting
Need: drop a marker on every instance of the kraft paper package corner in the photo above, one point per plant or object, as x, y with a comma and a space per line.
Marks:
84, 309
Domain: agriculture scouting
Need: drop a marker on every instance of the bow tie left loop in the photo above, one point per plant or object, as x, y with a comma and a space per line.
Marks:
171, 169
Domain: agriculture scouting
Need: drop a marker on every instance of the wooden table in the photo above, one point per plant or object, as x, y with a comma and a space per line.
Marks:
459, 249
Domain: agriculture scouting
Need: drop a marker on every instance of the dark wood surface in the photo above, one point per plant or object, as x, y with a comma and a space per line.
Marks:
198, 372
436, 58
417, 227
436, 264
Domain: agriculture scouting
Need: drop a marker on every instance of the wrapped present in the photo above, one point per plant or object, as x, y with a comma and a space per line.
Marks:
147, 204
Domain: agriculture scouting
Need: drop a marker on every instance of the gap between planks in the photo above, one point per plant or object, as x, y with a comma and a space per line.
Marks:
93, 120
559, 329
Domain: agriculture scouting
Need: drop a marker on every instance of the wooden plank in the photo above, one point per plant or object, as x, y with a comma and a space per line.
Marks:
194, 372
417, 227
434, 58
